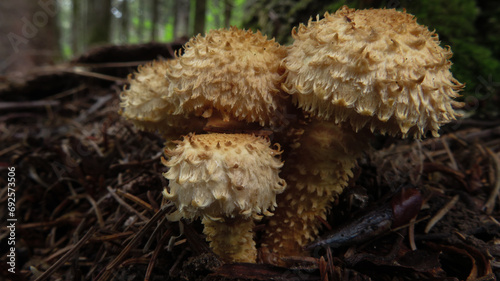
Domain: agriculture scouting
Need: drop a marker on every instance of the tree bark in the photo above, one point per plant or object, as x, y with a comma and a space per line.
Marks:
140, 27
125, 22
228, 8
181, 25
99, 22
200, 16
155, 10
76, 40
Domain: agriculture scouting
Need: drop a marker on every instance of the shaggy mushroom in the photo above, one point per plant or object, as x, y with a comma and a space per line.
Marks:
226, 83
149, 104
372, 70
228, 180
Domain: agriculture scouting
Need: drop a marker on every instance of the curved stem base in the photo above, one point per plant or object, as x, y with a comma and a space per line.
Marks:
232, 239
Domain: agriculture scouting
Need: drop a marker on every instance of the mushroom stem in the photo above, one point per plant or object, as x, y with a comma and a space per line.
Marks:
317, 171
231, 239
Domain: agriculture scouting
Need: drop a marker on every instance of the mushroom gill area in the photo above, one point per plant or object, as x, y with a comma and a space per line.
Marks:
374, 68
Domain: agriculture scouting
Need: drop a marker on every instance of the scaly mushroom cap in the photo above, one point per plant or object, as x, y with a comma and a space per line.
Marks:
234, 72
149, 104
377, 68
223, 175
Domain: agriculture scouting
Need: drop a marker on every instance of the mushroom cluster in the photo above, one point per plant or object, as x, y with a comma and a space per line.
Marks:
349, 75
365, 71
223, 94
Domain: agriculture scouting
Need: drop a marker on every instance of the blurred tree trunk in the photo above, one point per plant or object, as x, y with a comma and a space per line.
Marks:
215, 5
140, 27
30, 34
125, 22
155, 11
76, 27
99, 21
228, 8
181, 24
199, 16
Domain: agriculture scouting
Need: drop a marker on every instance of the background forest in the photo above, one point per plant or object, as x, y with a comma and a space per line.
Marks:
48, 31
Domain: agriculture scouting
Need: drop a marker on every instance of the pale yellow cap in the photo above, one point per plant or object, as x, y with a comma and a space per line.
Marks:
232, 73
374, 68
235, 72
223, 175
150, 106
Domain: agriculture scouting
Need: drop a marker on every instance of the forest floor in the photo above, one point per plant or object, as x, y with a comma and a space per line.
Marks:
89, 204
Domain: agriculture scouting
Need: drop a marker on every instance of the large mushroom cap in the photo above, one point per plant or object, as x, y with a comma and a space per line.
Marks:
223, 175
377, 68
233, 72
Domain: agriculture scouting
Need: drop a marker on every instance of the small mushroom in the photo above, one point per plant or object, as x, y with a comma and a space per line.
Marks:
357, 72
228, 180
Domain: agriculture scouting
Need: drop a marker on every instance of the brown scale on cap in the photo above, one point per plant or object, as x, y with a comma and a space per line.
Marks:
366, 70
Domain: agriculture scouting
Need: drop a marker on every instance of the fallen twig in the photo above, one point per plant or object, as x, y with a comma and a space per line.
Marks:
112, 265
125, 204
28, 104
441, 213
97, 75
157, 250
490, 203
